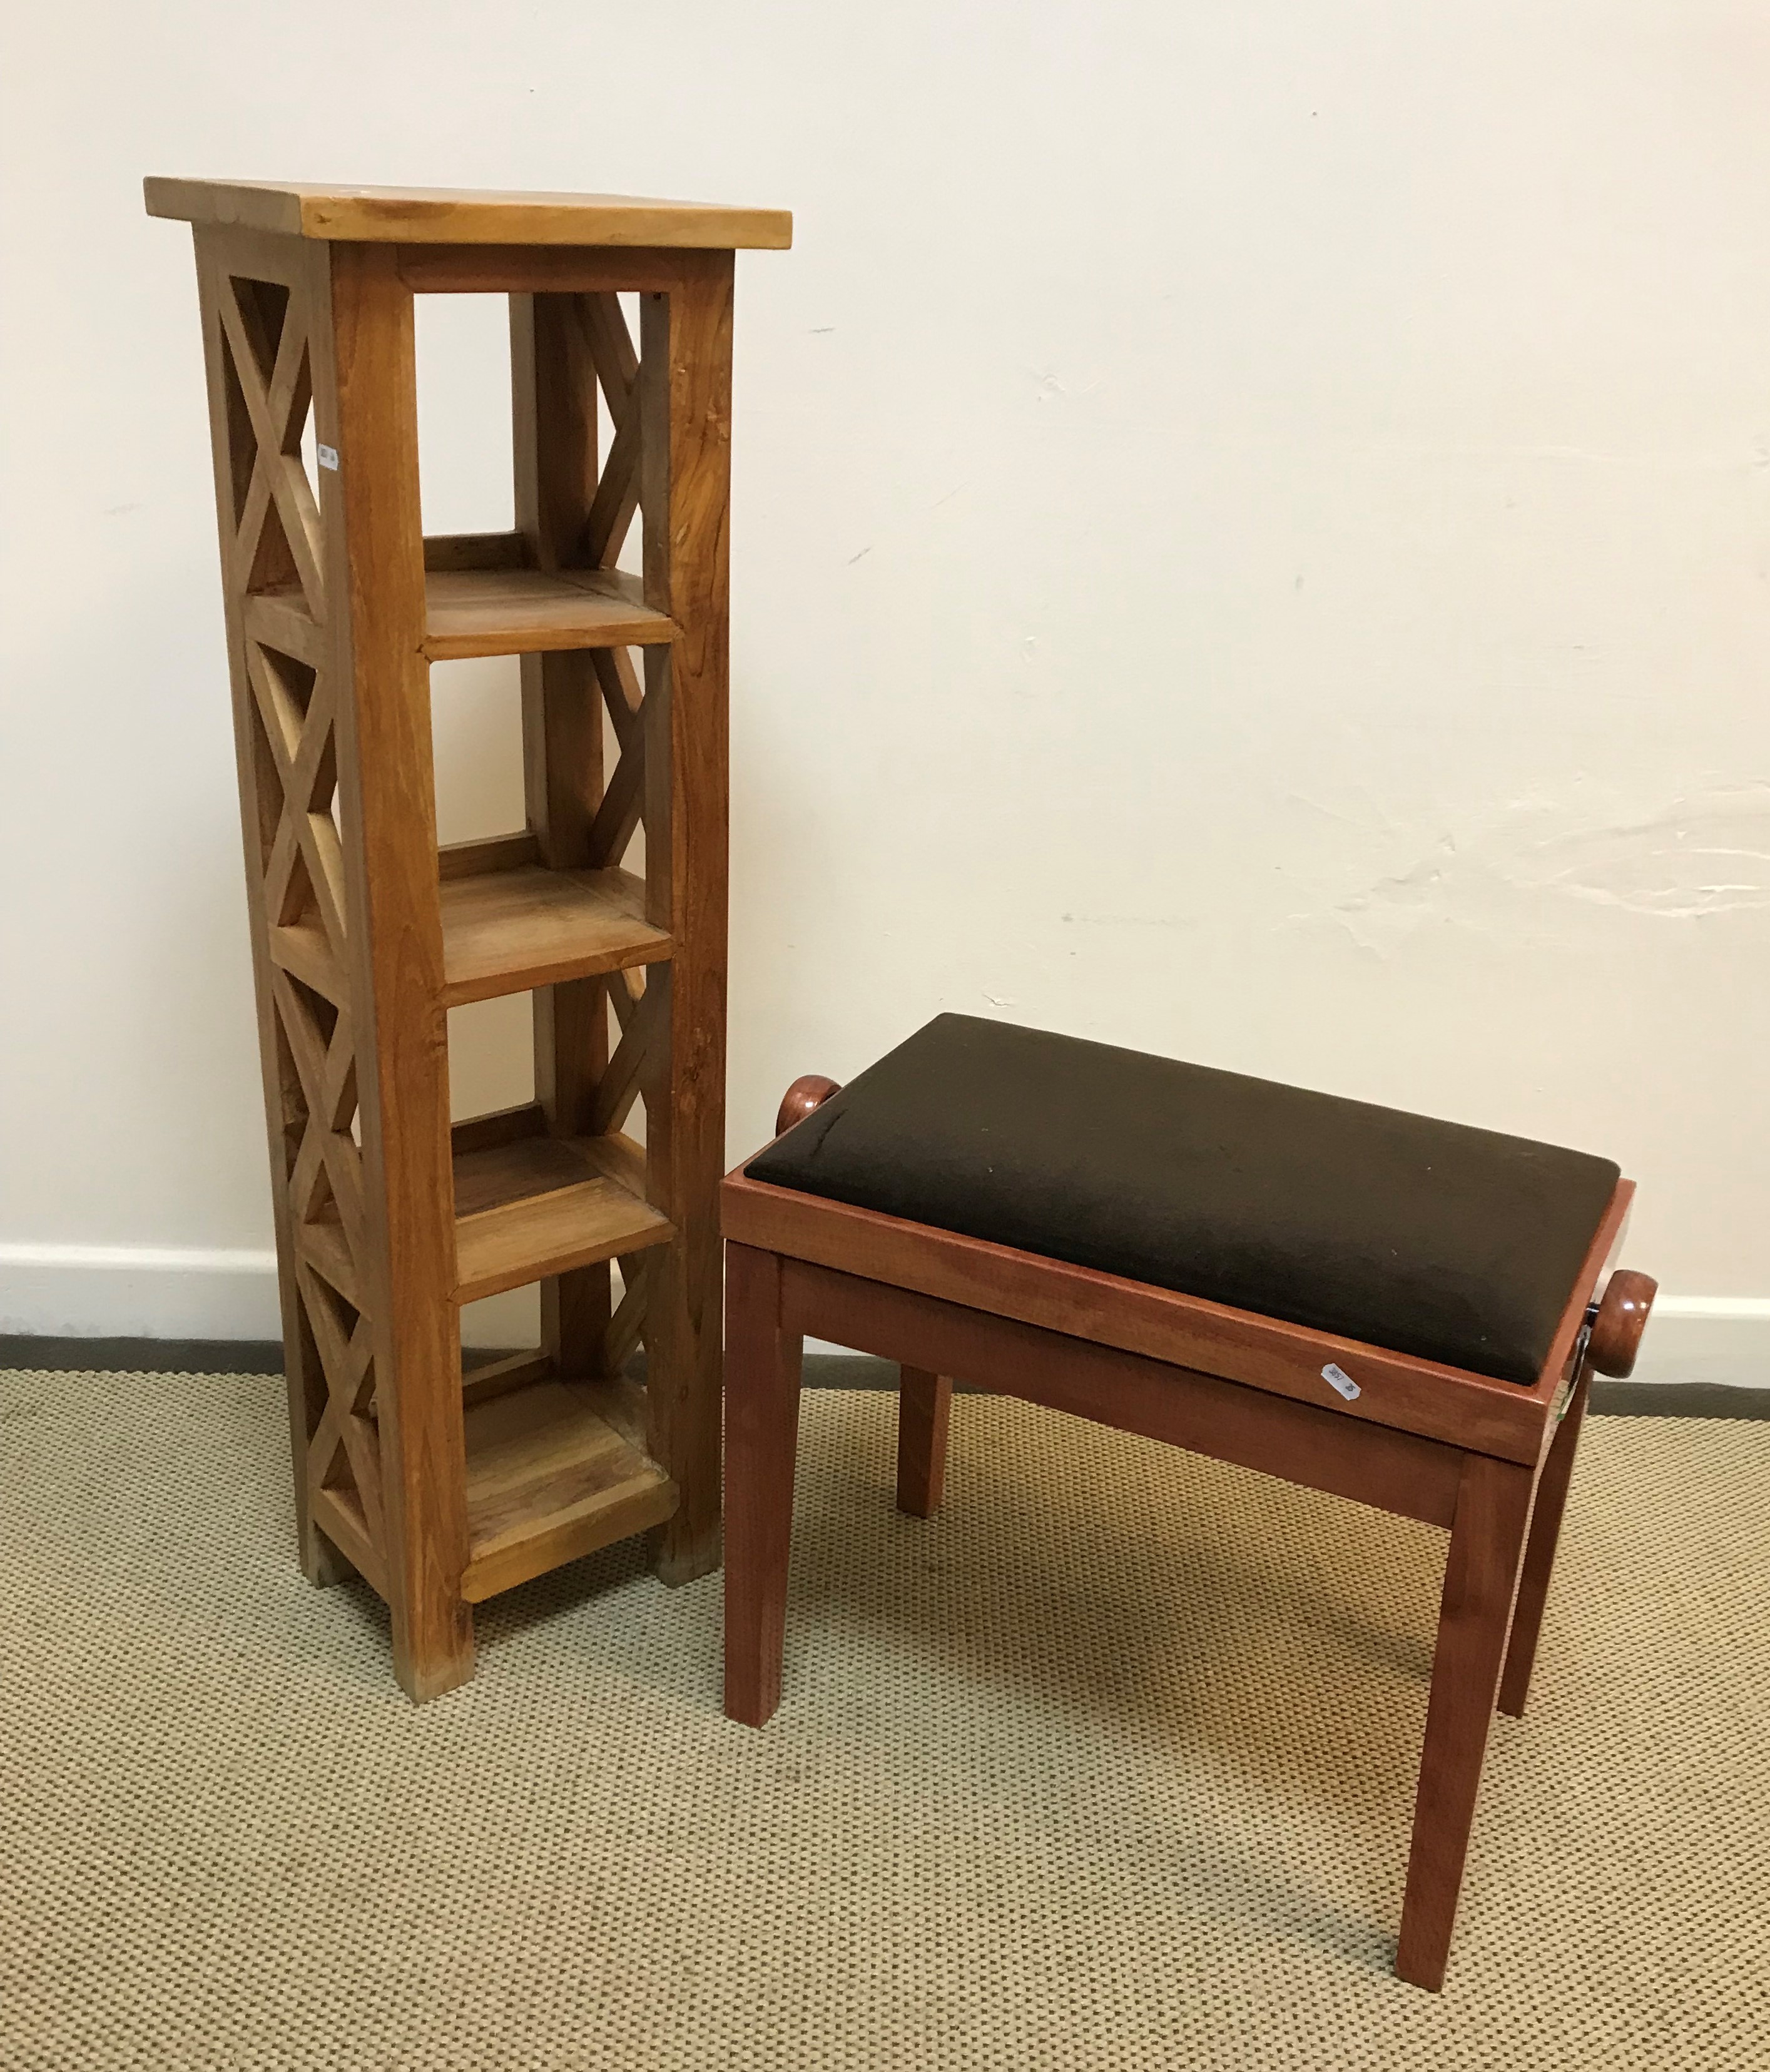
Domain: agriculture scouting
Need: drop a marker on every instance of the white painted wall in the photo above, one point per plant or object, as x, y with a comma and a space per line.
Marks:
1252, 539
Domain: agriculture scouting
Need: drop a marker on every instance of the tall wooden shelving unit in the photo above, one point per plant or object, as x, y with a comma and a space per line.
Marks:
440, 1491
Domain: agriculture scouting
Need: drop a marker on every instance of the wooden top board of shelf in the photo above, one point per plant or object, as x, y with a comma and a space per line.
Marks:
466, 215
555, 1470
530, 611
511, 931
544, 1205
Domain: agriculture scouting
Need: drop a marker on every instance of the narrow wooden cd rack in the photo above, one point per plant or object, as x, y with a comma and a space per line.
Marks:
442, 1488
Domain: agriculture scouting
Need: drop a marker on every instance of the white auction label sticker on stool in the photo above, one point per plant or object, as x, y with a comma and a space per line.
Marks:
328, 456
1337, 1377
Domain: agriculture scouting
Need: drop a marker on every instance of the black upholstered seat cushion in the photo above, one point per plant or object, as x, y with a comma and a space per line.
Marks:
1451, 1244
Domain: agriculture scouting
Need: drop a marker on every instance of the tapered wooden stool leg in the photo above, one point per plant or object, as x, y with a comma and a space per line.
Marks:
762, 1365
924, 1403
1539, 1554
1480, 1581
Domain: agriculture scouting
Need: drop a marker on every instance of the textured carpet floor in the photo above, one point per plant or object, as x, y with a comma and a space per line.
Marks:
1109, 1767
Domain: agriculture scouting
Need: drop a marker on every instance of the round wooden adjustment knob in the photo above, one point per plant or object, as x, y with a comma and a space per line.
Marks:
803, 1097
1622, 1317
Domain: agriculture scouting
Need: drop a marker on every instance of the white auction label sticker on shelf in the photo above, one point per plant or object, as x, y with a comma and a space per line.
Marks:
1337, 1377
328, 456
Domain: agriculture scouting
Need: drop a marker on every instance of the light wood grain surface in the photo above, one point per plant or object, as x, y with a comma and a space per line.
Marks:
522, 611
465, 215
510, 930
388, 797
548, 1205
390, 1214
553, 1474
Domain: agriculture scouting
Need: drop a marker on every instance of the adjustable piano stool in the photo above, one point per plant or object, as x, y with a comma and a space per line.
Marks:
1399, 1310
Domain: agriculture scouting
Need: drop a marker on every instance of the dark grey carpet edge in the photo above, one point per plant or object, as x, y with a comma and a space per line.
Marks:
54, 1355
1676, 1399
142, 1355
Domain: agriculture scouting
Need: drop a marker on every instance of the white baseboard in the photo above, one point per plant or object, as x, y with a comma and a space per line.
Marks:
1723, 1339
96, 1291
104, 1291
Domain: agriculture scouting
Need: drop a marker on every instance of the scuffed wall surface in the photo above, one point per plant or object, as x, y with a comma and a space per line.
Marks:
1512, 869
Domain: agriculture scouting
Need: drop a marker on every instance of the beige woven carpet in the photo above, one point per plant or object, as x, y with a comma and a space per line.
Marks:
1110, 1767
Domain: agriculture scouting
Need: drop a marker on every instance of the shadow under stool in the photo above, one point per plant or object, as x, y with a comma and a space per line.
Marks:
1399, 1310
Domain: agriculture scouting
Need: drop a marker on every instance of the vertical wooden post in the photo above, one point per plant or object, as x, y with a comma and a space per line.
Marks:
554, 408
685, 403
1480, 1583
375, 578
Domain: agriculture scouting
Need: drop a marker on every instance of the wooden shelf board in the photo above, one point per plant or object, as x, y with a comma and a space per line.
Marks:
544, 1205
498, 610
528, 611
555, 1470
511, 931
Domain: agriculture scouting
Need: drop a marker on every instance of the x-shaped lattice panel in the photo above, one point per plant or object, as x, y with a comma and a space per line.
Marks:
276, 545
277, 537
608, 346
345, 1445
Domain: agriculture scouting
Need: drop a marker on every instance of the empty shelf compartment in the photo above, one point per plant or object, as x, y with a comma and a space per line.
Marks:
508, 931
539, 1206
555, 1470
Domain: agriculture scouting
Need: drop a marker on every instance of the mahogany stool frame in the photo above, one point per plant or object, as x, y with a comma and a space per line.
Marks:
1487, 1459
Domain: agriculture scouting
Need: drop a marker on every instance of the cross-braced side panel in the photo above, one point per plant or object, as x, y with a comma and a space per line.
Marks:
585, 728
620, 811
272, 550
303, 861
607, 348
622, 1030
326, 1182
327, 1218
626, 1326
636, 1012
609, 344
637, 1038
595, 346
270, 387
344, 1454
